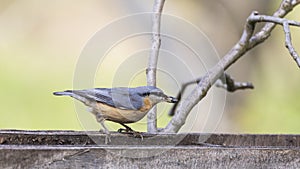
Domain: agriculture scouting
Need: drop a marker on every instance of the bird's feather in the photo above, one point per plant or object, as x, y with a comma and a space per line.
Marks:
115, 97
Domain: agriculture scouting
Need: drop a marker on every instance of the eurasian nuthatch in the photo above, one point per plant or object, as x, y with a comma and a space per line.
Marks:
121, 105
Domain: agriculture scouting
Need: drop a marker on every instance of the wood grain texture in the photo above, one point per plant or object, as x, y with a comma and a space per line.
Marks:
72, 149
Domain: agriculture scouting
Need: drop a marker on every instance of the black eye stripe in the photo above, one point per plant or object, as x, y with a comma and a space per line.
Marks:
152, 93
145, 94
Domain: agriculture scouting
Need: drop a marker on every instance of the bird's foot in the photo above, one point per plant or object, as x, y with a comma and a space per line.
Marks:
126, 130
102, 131
137, 134
131, 132
121, 130
107, 136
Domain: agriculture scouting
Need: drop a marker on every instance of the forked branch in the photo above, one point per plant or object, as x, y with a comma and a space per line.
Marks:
247, 41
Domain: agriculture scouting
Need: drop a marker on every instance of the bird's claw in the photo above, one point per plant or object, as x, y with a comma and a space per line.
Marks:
129, 131
121, 130
107, 138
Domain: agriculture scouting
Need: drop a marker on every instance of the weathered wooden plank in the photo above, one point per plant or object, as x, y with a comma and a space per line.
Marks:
17, 137
72, 149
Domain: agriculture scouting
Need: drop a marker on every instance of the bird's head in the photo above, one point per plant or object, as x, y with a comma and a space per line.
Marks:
155, 94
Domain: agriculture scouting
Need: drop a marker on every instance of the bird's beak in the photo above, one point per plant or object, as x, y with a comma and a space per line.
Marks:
171, 99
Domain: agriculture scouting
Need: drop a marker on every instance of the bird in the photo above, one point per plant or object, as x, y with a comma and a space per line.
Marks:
119, 104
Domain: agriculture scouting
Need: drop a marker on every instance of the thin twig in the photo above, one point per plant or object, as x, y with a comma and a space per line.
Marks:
285, 7
246, 42
285, 23
288, 43
179, 95
228, 83
273, 19
153, 58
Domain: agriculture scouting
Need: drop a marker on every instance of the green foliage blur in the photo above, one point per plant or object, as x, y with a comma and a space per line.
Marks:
42, 40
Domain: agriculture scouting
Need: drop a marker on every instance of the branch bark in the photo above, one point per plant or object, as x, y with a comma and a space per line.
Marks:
246, 42
228, 83
153, 58
288, 43
225, 82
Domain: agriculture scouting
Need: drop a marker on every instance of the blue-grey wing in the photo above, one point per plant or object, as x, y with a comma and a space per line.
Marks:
115, 97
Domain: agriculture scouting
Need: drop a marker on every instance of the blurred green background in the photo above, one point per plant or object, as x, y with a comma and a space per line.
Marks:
40, 42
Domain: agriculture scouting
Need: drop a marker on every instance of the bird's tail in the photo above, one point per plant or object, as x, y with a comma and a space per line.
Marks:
76, 94
64, 93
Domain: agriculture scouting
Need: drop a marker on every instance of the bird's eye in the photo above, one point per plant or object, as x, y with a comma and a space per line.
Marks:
146, 94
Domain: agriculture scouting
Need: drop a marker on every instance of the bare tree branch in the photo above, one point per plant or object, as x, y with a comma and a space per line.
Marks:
285, 23
153, 58
288, 43
246, 42
285, 7
179, 95
185, 106
228, 83
272, 19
